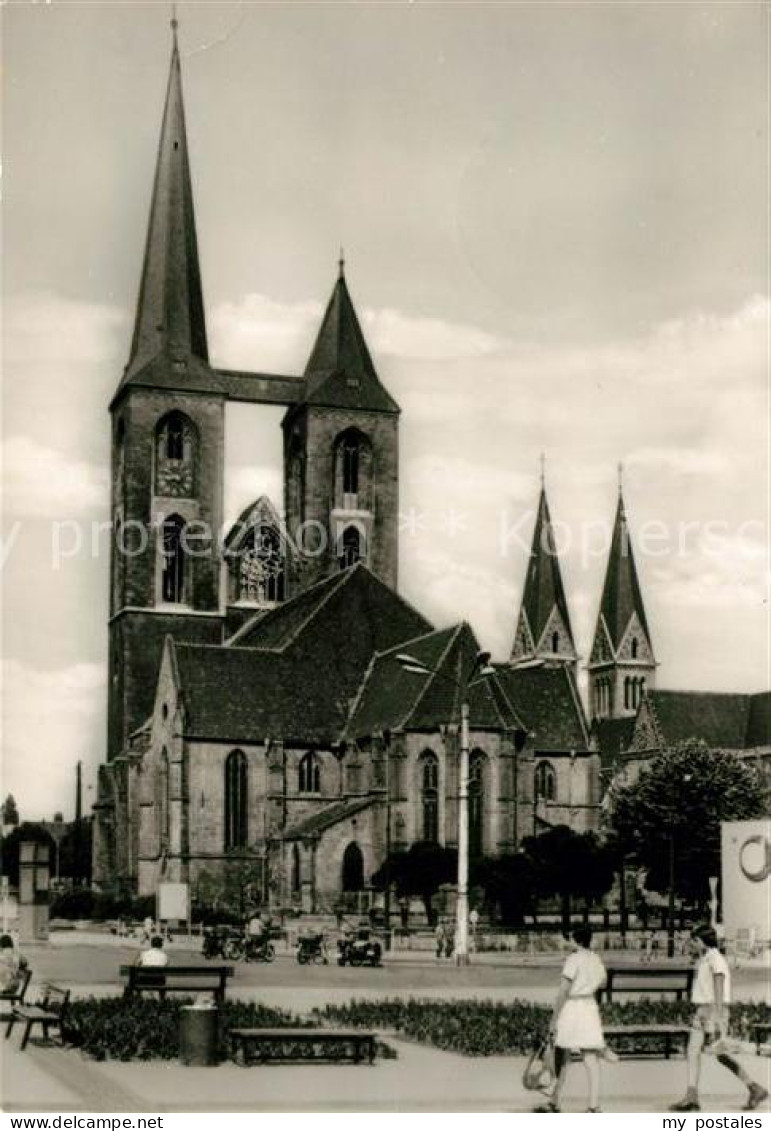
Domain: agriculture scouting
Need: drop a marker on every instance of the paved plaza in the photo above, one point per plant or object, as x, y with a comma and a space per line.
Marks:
420, 1079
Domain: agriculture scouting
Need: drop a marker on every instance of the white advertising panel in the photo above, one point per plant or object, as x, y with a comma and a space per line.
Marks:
173, 902
746, 868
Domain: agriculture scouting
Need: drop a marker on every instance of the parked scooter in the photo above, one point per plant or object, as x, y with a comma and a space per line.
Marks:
218, 942
311, 948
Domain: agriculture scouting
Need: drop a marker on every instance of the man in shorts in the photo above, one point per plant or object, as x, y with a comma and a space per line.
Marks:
711, 997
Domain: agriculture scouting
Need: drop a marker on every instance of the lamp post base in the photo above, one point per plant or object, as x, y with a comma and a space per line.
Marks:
462, 960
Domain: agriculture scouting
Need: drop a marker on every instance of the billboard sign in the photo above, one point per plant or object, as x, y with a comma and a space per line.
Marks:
746, 874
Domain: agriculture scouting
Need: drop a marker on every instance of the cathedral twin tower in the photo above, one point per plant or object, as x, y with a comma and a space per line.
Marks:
169, 578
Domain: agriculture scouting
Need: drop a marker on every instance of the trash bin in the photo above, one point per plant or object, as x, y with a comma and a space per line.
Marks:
198, 1035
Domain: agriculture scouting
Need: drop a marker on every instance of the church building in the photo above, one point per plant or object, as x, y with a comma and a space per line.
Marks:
261, 718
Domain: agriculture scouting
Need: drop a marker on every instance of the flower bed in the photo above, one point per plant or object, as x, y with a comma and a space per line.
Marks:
144, 1029
489, 1028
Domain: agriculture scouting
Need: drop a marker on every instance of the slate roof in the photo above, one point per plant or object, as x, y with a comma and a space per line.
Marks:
543, 583
621, 596
546, 698
393, 698
170, 312
613, 736
303, 665
723, 720
317, 823
340, 372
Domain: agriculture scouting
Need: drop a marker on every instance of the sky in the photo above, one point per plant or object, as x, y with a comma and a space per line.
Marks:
555, 227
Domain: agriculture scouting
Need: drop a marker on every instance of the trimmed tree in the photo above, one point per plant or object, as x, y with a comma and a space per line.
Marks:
669, 819
420, 871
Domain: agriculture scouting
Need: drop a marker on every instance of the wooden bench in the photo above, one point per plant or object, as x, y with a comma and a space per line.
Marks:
658, 979
48, 1012
761, 1030
670, 1035
16, 997
258, 1046
176, 979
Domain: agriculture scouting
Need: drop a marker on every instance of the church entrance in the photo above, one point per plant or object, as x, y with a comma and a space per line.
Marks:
353, 869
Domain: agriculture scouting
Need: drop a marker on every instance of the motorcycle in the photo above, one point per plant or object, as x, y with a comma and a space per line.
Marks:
359, 951
311, 948
250, 949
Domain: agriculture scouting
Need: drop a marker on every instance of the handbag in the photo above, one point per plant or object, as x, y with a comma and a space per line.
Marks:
539, 1070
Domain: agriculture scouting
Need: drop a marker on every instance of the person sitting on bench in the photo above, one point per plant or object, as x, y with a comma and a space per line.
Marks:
155, 955
12, 966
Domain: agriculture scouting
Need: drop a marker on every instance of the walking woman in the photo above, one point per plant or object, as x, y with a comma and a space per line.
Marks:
575, 1024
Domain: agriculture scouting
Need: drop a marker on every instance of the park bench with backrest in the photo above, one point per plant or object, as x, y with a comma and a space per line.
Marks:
258, 1046
48, 1012
649, 979
176, 979
16, 997
637, 1039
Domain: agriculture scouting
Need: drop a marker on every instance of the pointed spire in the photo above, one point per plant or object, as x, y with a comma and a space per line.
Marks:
170, 310
544, 609
340, 371
621, 595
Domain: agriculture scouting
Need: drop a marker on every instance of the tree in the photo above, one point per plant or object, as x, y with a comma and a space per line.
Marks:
569, 864
9, 815
669, 819
75, 850
420, 871
510, 885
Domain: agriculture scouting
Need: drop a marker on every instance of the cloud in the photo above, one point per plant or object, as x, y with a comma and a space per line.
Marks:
395, 334
259, 334
52, 719
39, 481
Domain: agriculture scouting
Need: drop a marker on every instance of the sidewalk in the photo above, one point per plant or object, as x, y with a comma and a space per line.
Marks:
421, 1079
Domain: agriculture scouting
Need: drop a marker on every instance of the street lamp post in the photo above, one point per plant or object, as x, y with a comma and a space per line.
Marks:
481, 665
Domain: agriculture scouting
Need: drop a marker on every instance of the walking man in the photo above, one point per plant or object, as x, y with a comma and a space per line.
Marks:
711, 997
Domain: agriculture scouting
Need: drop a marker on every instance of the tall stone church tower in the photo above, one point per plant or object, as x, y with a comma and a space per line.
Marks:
341, 454
622, 664
543, 632
167, 443
168, 576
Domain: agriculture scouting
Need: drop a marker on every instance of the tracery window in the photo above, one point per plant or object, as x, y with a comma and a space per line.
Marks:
476, 803
309, 774
176, 448
429, 795
545, 782
173, 566
262, 568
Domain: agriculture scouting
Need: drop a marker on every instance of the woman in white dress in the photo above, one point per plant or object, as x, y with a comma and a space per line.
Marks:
576, 1024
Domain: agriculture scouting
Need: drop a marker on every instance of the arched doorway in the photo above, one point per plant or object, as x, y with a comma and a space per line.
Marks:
353, 868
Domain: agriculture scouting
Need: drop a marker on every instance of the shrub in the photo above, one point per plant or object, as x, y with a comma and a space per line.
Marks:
488, 1028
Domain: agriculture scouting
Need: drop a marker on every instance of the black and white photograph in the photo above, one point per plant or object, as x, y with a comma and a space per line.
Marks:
386, 485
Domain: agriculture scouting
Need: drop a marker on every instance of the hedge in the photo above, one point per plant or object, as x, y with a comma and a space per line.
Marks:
492, 1028
147, 1029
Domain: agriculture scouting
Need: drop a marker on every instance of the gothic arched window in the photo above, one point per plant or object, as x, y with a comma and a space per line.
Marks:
555, 642
353, 470
173, 564
429, 795
545, 782
634, 647
476, 803
627, 703
351, 547
309, 774
261, 567
176, 448
236, 800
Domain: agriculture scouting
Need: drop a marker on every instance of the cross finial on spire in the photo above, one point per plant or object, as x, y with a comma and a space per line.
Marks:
174, 21
341, 263
542, 461
620, 477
